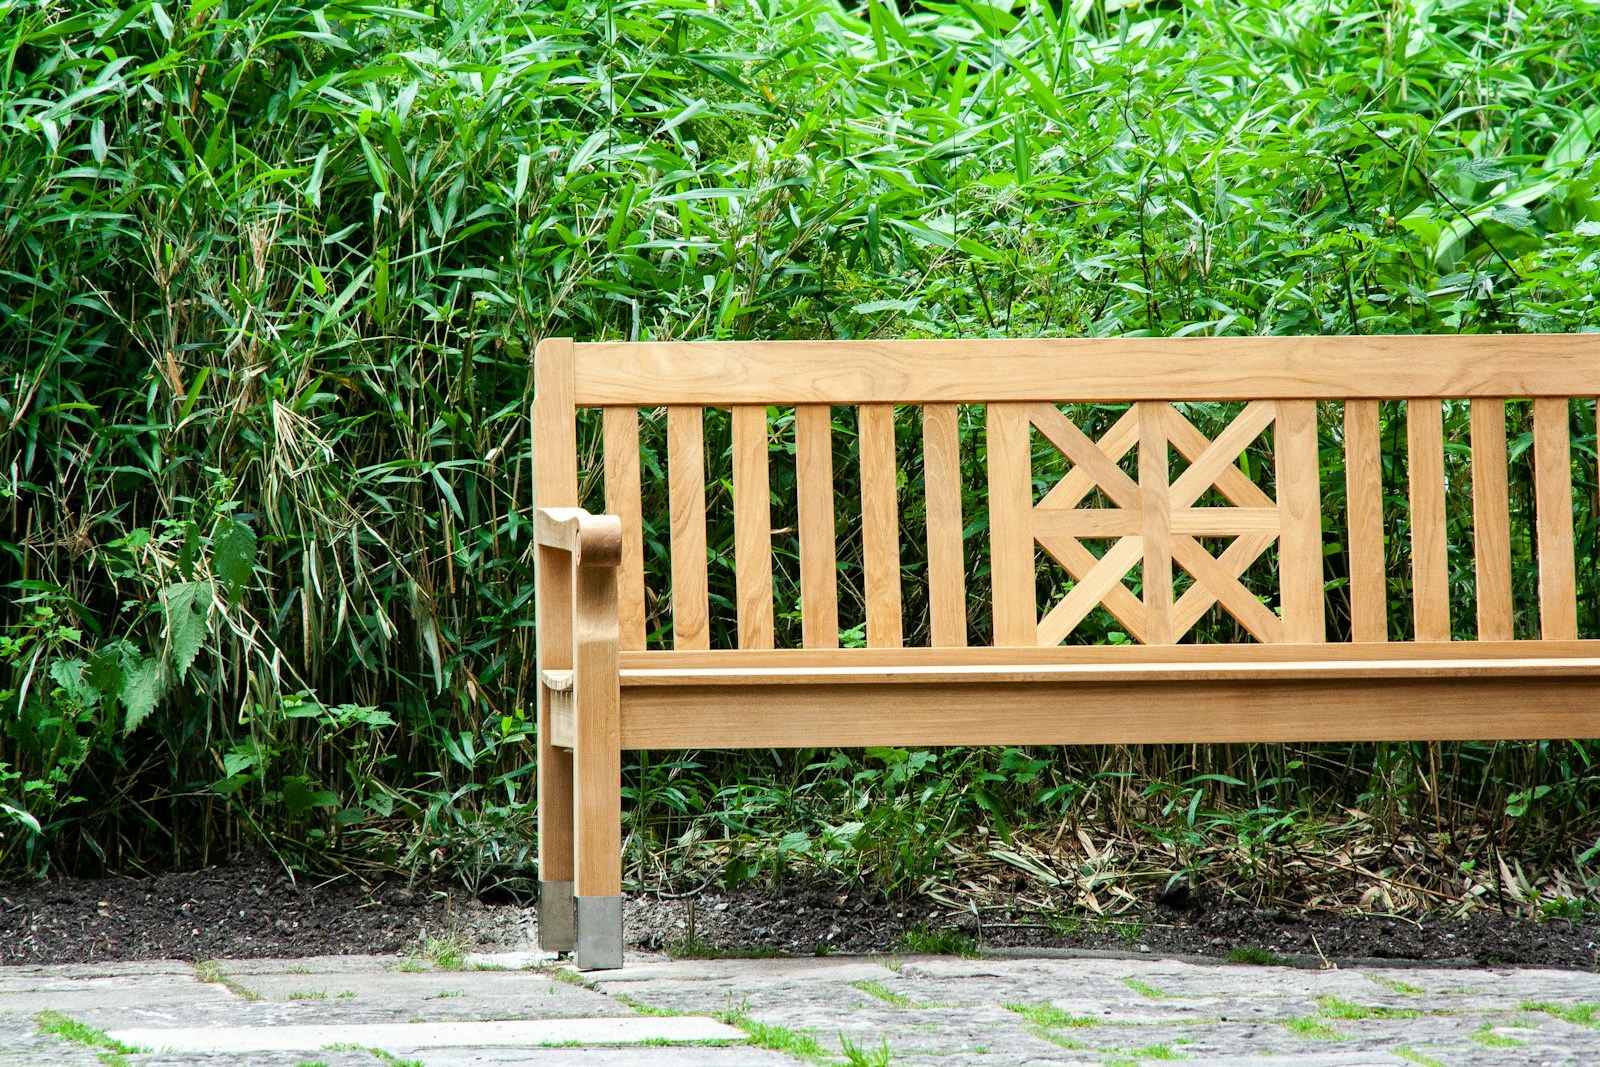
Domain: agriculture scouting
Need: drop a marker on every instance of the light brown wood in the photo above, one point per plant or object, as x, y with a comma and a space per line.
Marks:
1234, 561
1154, 489
784, 658
1116, 522
1552, 483
947, 558
819, 576
1225, 587
686, 476
1491, 520
880, 524
1110, 712
1300, 513
1079, 562
590, 540
1230, 481
1062, 432
1011, 559
555, 484
1430, 575
752, 526
1076, 483
563, 720
557, 681
1222, 454
1090, 370
621, 431
1090, 590
596, 735
1363, 474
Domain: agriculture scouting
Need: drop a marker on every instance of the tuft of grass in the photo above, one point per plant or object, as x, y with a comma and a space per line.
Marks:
643, 1009
1416, 1057
1050, 1017
943, 941
855, 1056
70, 1029
1145, 989
1259, 957
1398, 987
1334, 1008
447, 953
1485, 1035
210, 971
779, 1038
1312, 1027
1581, 1014
566, 975
1149, 1052
881, 992
388, 1058
308, 994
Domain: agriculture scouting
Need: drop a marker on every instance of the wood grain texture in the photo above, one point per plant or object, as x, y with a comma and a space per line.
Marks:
1430, 576
1223, 585
1011, 559
1109, 478
1234, 561
1298, 469
1230, 481
819, 577
1090, 370
686, 491
1552, 481
947, 558
1109, 712
621, 430
1363, 474
1105, 576
880, 524
1076, 483
752, 526
1222, 454
1079, 562
1491, 520
597, 744
1156, 535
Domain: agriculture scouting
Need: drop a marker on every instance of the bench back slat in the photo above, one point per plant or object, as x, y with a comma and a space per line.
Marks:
686, 475
1430, 568
752, 525
1011, 561
819, 588
1363, 472
620, 432
1552, 481
1155, 500
880, 524
1491, 520
1299, 486
947, 562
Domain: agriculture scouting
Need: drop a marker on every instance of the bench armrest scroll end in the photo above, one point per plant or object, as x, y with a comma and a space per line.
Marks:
593, 540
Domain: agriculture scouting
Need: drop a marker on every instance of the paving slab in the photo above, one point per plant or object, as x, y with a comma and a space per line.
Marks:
519, 1033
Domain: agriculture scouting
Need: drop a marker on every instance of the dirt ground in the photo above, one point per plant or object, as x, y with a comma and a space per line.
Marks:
252, 908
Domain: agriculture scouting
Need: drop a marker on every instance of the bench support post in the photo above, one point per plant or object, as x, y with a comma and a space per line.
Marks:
554, 608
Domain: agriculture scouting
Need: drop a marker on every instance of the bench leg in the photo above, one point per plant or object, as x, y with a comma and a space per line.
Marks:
597, 771
557, 932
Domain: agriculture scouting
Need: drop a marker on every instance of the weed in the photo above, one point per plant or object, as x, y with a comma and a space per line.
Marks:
308, 994
1145, 989
1259, 957
938, 942
1581, 1014
567, 975
1312, 1027
881, 992
642, 1008
210, 971
445, 994
447, 953
778, 1038
1049, 1017
856, 1056
1334, 1008
1485, 1035
71, 1030
1417, 1057
1397, 986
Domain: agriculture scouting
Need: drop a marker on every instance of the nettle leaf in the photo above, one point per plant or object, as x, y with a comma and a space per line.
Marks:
188, 608
141, 688
1587, 228
190, 549
233, 556
104, 673
1519, 218
299, 795
1483, 170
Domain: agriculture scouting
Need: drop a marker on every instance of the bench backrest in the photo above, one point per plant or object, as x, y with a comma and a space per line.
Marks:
1156, 513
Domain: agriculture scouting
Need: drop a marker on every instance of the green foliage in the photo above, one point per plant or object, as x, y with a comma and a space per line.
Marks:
274, 275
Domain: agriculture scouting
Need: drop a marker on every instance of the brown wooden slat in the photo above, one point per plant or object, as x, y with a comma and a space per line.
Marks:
1089, 370
621, 427
752, 526
947, 563
1552, 481
1090, 590
597, 748
880, 524
1011, 559
1430, 576
1080, 562
1300, 515
1154, 494
686, 475
1491, 519
819, 578
1222, 454
1363, 473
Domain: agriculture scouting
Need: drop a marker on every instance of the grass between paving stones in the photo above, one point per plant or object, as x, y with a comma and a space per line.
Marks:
1334, 1008
1312, 1027
567, 975
1581, 1014
308, 994
642, 1008
1485, 1035
1398, 987
881, 992
1416, 1057
1260, 957
778, 1038
448, 953
210, 971
1050, 1017
71, 1030
388, 1058
1145, 989
1132, 1057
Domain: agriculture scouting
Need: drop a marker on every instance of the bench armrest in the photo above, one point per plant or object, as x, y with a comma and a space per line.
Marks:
593, 540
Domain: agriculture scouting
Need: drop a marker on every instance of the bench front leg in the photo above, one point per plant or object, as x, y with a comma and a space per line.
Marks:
592, 545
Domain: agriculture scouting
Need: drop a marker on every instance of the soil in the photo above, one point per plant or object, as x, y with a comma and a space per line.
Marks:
252, 908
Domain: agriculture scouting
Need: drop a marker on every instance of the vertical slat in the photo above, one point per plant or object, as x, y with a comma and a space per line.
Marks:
1491, 520
1299, 481
1011, 560
947, 565
555, 484
1430, 574
622, 500
686, 475
819, 578
880, 525
1552, 479
597, 746
1155, 505
752, 526
1363, 475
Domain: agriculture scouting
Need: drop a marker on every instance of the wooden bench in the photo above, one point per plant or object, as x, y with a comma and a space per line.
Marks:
602, 691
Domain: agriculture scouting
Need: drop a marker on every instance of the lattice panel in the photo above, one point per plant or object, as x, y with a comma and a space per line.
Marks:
1156, 521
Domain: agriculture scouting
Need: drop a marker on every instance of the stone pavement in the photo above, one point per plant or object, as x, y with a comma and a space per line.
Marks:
521, 1009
